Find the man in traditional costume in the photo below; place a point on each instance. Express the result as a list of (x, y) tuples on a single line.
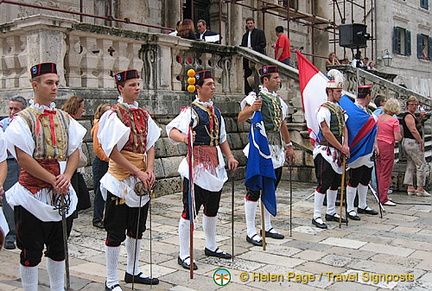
[(361, 168), (209, 175), (328, 154), (274, 111), (45, 142), (127, 134)]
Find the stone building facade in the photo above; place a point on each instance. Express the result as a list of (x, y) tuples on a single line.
[(403, 29)]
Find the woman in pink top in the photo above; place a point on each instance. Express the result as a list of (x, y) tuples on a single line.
[(388, 133)]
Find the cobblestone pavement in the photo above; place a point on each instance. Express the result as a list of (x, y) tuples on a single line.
[(394, 252)]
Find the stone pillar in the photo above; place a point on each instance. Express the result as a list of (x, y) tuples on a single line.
[(106, 63), (89, 62), (73, 62), (235, 25), (271, 21), (321, 37), (11, 61), (164, 71), (173, 12), (137, 11), (47, 46)]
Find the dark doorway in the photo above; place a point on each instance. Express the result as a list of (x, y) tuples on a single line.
[(201, 10)]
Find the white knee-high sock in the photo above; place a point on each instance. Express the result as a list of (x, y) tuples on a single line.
[(209, 226), (331, 201), (318, 203), (362, 192), (132, 256), (112, 258), (56, 271), (183, 230), (250, 213), (351, 194), (267, 220), (29, 278)]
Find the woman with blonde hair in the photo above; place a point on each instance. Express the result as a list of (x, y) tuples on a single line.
[(99, 168), (414, 149), (332, 60), (388, 133)]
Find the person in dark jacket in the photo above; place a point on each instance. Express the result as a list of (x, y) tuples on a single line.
[(253, 39)]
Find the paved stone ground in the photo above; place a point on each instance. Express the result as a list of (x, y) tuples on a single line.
[(360, 256)]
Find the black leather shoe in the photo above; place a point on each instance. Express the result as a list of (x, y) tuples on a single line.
[(318, 224), (369, 211), (186, 265), (98, 225), (140, 280), (353, 217), (116, 287), (253, 241), (334, 217), (9, 245), (274, 235), (217, 253)]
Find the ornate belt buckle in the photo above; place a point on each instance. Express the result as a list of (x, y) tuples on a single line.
[(140, 190)]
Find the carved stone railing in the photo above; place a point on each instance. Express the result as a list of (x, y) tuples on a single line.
[(382, 84)]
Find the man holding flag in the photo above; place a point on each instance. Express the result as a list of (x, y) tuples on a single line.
[(361, 138), (269, 138), (208, 169), (328, 154)]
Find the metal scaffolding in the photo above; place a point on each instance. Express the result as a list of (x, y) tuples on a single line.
[(339, 14)]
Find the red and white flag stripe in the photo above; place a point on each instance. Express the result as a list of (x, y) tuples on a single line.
[(312, 87)]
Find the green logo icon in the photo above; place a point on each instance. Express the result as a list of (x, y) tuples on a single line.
[(222, 277)]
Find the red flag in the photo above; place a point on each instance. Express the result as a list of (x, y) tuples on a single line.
[(312, 87)]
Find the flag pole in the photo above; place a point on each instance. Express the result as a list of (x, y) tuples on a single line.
[(342, 190), (232, 215), (376, 193), (291, 193), (263, 225), (191, 199)]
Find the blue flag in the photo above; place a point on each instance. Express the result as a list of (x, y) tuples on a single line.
[(260, 174), (362, 129)]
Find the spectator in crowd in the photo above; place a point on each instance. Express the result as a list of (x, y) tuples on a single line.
[(332, 60), (74, 105), (203, 32), (282, 47), (4, 228), (175, 32), (413, 146), (253, 39), (187, 29), (16, 104), (365, 61), (379, 101), (99, 168), (357, 62), (388, 133), (344, 62)]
